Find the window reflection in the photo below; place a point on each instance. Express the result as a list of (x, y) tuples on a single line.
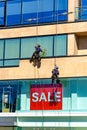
[(2, 13), (13, 17), (32, 11), (8, 96)]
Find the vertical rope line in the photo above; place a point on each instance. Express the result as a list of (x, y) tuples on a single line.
[(36, 70), (56, 49), (37, 21), (38, 75), (56, 31)]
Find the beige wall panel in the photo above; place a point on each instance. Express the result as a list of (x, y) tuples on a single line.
[(78, 27), (68, 67), (72, 45), (71, 8)]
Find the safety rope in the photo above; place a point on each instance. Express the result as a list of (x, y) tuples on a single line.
[(36, 69), (38, 75), (36, 43)]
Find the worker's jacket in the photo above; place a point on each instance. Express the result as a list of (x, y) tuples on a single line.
[(38, 49), (55, 72)]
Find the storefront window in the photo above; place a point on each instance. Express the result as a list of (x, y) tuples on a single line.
[(16, 94)]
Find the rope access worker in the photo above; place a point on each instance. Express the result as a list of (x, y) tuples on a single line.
[(36, 54), (55, 75)]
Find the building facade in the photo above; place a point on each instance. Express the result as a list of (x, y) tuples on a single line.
[(26, 94)]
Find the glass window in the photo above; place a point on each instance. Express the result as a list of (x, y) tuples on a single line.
[(27, 47), (38, 11), (1, 52), (11, 62), (83, 10), (45, 10), (35, 11), (18, 91), (1, 49), (1, 13), (8, 95), (12, 48), (46, 44), (13, 12), (61, 6), (1, 63), (32, 11), (60, 45), (29, 11)]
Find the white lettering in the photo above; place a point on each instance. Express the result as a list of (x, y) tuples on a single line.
[(56, 96), (43, 97), (35, 97), (51, 97)]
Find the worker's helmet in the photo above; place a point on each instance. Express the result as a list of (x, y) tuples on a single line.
[(38, 45), (56, 67)]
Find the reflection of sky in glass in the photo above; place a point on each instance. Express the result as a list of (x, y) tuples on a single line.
[(30, 9), (2, 13), (13, 7), (1, 9)]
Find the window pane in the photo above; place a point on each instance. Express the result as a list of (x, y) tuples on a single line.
[(8, 95), (13, 12), (1, 13), (45, 10), (11, 62), (1, 63), (1, 49), (83, 10), (12, 48), (37, 11), (61, 6), (29, 10), (27, 47), (82, 93), (46, 44), (60, 45)]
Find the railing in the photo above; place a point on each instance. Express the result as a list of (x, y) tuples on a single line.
[(81, 13)]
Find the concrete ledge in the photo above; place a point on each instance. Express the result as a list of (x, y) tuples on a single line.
[(64, 28), (68, 67)]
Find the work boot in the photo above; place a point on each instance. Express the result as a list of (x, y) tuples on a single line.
[(31, 60)]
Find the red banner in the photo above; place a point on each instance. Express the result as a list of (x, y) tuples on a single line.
[(46, 97)]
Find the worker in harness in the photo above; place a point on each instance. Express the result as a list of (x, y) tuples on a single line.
[(36, 54), (55, 75)]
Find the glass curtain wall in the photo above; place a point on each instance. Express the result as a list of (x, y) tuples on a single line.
[(13, 12), (15, 95), (32, 11), (24, 48), (9, 92), (9, 52), (83, 8), (81, 11), (2, 15)]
